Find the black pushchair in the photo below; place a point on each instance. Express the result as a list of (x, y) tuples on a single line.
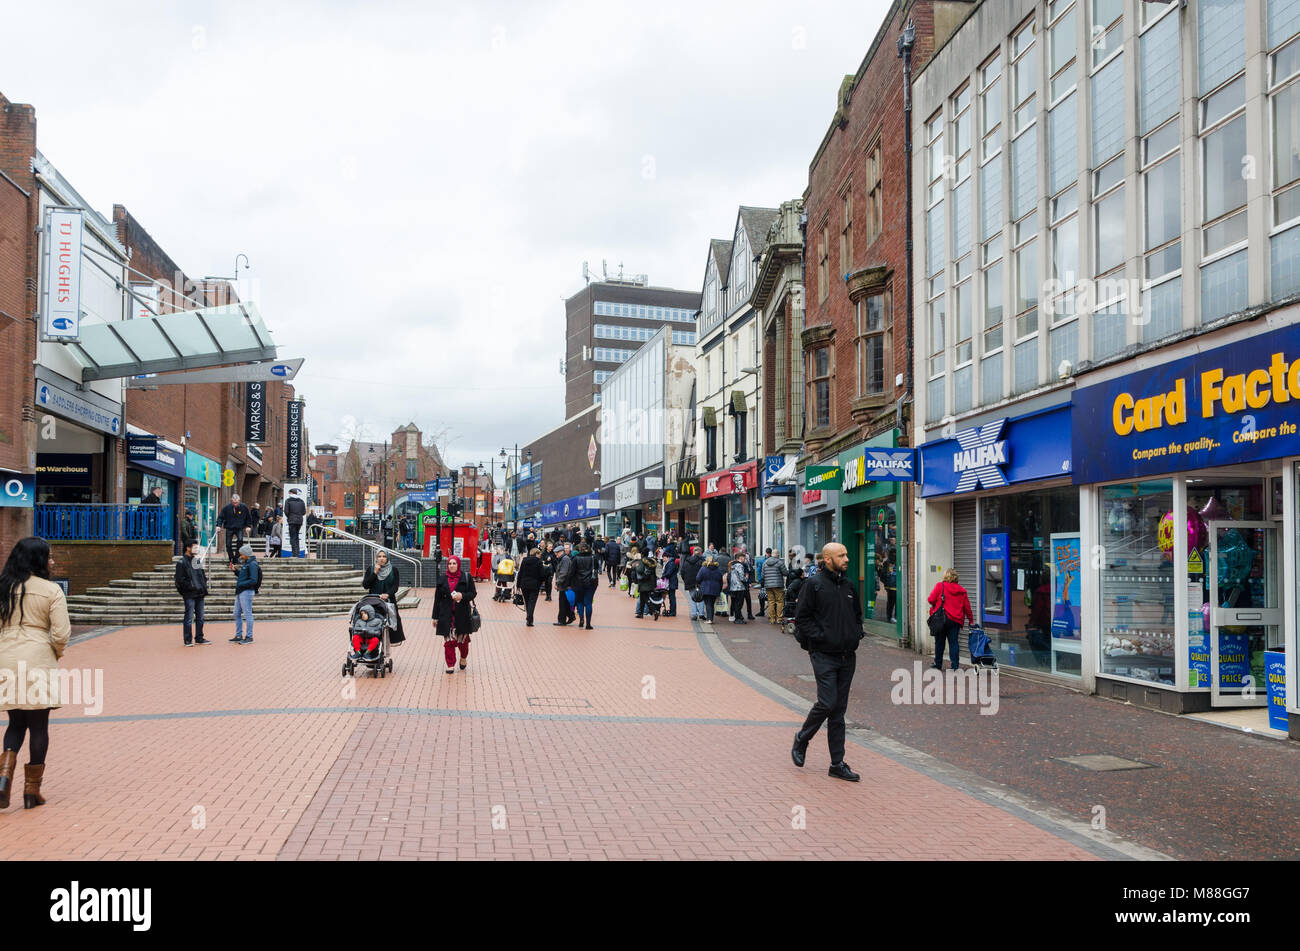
[(382, 661)]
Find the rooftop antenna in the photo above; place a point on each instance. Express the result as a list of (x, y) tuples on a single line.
[(604, 270), (586, 273), (620, 270)]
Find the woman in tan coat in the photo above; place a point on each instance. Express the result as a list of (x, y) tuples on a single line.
[(34, 632)]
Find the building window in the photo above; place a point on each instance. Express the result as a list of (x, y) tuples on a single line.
[(823, 266), (742, 441), (1025, 77), (1223, 152), (938, 317), (872, 345), (1284, 114), (412, 468), (1107, 29), (1025, 259), (1162, 201), (710, 448), (1065, 252), (993, 295), (846, 230), (820, 386), (1061, 50), (991, 108), (875, 196)]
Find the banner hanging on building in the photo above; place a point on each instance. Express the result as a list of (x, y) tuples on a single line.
[(255, 412), (293, 469), (61, 315)]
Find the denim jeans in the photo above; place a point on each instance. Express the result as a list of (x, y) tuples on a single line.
[(951, 632), (697, 607), (193, 615), (244, 612), (584, 596)]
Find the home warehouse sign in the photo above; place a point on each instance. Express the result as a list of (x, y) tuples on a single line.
[(1232, 404)]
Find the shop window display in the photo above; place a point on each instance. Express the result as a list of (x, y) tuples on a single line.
[(1031, 621), (1137, 581)]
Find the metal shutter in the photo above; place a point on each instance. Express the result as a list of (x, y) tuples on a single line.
[(966, 549)]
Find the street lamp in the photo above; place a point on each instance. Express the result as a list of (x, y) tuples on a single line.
[(514, 495), (384, 468)]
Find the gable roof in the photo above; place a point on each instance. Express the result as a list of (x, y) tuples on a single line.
[(721, 251), (757, 222)]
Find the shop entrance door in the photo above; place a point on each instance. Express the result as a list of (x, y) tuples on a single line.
[(1244, 607)]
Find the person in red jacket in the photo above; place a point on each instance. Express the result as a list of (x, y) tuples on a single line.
[(956, 605)]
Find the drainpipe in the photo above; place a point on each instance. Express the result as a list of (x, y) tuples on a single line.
[(906, 42)]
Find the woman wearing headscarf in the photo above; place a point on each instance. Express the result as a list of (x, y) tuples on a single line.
[(34, 632), (384, 581), (452, 612)]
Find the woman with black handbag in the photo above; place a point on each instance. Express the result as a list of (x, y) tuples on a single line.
[(949, 606), (528, 582), (454, 612)]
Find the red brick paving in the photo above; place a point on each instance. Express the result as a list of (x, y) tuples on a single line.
[(590, 768)]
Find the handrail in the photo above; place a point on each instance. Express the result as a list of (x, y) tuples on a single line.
[(345, 536)]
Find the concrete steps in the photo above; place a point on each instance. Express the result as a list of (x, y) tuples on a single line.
[(291, 588)]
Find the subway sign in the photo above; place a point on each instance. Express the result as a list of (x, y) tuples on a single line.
[(1236, 403)]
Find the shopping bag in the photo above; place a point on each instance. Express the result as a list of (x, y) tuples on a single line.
[(622, 582), (571, 595)]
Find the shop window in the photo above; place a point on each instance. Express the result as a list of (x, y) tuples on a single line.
[(875, 195), (873, 319), (1028, 580), (820, 385), (1137, 582)]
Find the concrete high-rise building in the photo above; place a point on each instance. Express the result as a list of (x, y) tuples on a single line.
[(607, 321)]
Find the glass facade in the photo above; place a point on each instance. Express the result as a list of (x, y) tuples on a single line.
[(683, 315)]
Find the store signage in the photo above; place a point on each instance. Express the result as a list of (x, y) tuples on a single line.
[(1235, 403), (576, 507), (1003, 452), (771, 466), (284, 370), (731, 482), (625, 494), (654, 483), (981, 458), (79, 410), (255, 412), (813, 497), (144, 301), (1275, 676), (202, 469), (591, 453), (413, 486), (141, 448), (17, 490), (293, 468), (815, 476), (878, 465), (63, 468), (1234, 662), (61, 316)]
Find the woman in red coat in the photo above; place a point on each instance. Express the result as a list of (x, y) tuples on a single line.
[(956, 608)]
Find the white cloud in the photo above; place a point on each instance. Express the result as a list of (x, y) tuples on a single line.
[(417, 185)]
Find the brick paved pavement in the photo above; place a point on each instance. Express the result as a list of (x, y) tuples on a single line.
[(551, 745)]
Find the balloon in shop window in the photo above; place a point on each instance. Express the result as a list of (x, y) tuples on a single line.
[(1196, 533), (1213, 509), (1120, 519)]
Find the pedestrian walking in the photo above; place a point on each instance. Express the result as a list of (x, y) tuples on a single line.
[(586, 575), (453, 611), (949, 606), (829, 625), (529, 580), (189, 531), (295, 510), (383, 579), (690, 570), (750, 579), (547, 556), (708, 584), (738, 587), (563, 585), (669, 573), (275, 538), (248, 581), (644, 574), (192, 585), (232, 521), (34, 632), (774, 578)]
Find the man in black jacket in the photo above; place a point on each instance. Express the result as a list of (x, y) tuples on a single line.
[(613, 556), (192, 586), (529, 581), (829, 624), (564, 581), (691, 565), (233, 520), (295, 510)]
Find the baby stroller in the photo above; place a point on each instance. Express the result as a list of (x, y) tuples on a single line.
[(380, 660), (655, 602), (981, 654)]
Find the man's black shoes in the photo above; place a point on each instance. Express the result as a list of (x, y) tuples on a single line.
[(798, 751), (842, 771)]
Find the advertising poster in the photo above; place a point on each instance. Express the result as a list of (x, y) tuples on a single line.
[(1066, 599), (1234, 662)]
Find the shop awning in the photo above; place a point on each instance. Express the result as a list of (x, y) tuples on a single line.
[(188, 340)]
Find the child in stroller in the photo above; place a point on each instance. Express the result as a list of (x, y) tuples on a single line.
[(505, 579), (367, 631), (655, 602)]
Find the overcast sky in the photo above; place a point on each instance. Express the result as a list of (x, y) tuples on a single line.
[(417, 185)]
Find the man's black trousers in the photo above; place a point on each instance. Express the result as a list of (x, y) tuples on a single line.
[(834, 673)]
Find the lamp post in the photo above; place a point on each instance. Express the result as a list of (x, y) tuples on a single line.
[(514, 495), (383, 483)]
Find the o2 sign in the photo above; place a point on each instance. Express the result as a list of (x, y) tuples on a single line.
[(19, 490)]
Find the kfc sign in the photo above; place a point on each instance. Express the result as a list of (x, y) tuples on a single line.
[(730, 482)]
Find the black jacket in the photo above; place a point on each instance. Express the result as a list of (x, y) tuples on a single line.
[(189, 532), (548, 560), (389, 587), (829, 616), (585, 571), (453, 618), (671, 569), (234, 518), (530, 574), (191, 580), (295, 510), (691, 565), (612, 552)]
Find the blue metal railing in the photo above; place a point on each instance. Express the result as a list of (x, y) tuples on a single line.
[(104, 522)]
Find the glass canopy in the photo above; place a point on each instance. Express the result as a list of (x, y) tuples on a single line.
[(188, 340)]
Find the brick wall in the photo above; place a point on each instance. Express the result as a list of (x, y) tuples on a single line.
[(563, 454), (17, 304), (94, 564), (874, 113)]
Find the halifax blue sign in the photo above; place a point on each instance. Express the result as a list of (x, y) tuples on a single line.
[(1236, 403)]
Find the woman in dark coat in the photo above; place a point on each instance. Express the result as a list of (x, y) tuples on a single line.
[(670, 572), (383, 580), (547, 555), (709, 581), (452, 614), (529, 582)]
